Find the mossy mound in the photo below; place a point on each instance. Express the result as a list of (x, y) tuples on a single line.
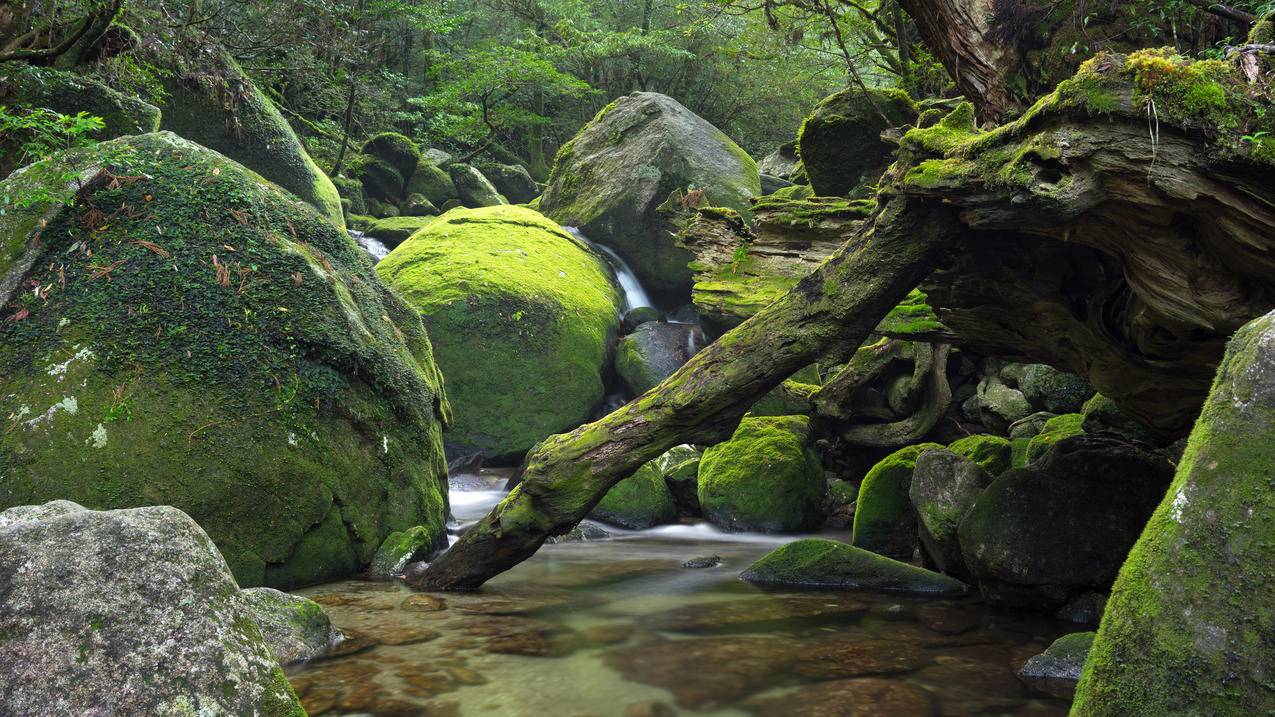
[(820, 563), (884, 520), (212, 101), (1187, 629), (638, 502), (382, 181), (521, 317), (840, 143), (992, 453), (1058, 428), (765, 478), (611, 179), (69, 94), (391, 147), (432, 183), (392, 231), (217, 346)]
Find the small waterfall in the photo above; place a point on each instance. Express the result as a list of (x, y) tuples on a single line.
[(634, 294), (373, 246)]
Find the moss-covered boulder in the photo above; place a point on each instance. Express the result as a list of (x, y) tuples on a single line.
[(351, 190), (23, 85), (1049, 389), (820, 563), (382, 182), (128, 612), (680, 467), (296, 629), (1102, 415), (1187, 628), (840, 143), (433, 183), (512, 181), (474, 189), (1058, 428), (224, 350), (1040, 535), (765, 478), (944, 487), (611, 179), (993, 454), (521, 316), (406, 546), (396, 150), (884, 520), (416, 205), (392, 231), (1056, 671), (638, 502), (211, 101), (653, 351)]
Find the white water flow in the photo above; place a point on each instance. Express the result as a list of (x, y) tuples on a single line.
[(634, 295), (372, 246)]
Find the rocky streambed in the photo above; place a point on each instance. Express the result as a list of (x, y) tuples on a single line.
[(619, 626)]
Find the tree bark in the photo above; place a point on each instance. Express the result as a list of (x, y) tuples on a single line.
[(831, 311)]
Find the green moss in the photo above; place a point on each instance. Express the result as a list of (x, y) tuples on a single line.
[(381, 180), (796, 191), (405, 546), (765, 478), (396, 230), (395, 149), (912, 318), (433, 183), (884, 521), (521, 316), (641, 501), (351, 190), (1056, 429), (298, 423), (840, 143), (992, 453), (816, 562)]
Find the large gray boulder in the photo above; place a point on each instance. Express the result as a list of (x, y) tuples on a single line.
[(513, 181), (1040, 535), (126, 612), (612, 178), (943, 490)]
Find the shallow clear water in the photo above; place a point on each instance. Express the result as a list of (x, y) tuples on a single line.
[(619, 627)]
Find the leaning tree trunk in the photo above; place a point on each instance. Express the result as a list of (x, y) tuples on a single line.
[(832, 310)]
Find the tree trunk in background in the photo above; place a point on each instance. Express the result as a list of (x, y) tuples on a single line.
[(963, 35), (831, 311)]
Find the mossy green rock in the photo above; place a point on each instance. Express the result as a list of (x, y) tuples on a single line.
[(416, 205), (351, 190), (1040, 535), (1058, 428), (884, 520), (128, 612), (474, 189), (944, 487), (1049, 389), (1056, 671), (612, 177), (512, 181), (279, 393), (69, 94), (1187, 628), (680, 467), (396, 150), (654, 351), (638, 502), (993, 454), (765, 478), (840, 143), (432, 183), (253, 134), (392, 231), (820, 563), (295, 628), (521, 316), (1102, 415), (382, 181), (406, 546)]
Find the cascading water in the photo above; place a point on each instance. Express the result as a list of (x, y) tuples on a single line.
[(372, 246), (634, 295)]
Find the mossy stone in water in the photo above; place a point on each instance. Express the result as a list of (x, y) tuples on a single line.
[(1187, 629), (278, 393), (840, 143), (638, 502), (884, 520), (521, 316), (821, 563), (1056, 671), (406, 546), (765, 478)]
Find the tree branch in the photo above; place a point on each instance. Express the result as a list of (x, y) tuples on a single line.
[(1225, 11)]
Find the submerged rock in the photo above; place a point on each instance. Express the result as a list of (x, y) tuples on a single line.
[(638, 502), (129, 612), (612, 177), (884, 519), (1194, 597), (868, 697), (1056, 671), (820, 563), (765, 478), (521, 316), (295, 628), (710, 561), (1038, 535), (654, 351), (227, 351)]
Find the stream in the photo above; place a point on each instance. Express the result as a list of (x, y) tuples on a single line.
[(617, 627)]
